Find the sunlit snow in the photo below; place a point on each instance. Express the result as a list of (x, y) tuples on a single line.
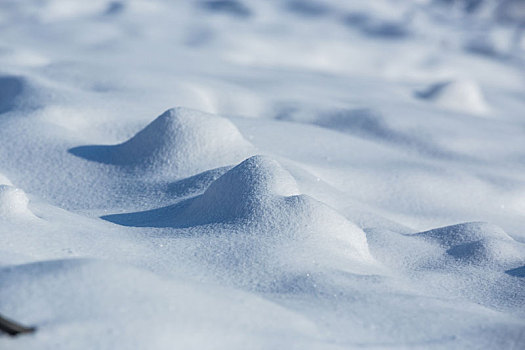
[(248, 174)]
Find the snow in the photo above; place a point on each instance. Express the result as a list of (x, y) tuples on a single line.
[(325, 174), (13, 202), (462, 96), (68, 291), (179, 142), (4, 180)]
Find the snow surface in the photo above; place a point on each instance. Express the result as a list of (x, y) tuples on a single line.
[(284, 174)]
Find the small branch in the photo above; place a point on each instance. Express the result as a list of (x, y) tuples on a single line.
[(12, 328)]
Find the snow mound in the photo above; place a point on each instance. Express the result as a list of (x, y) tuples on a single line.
[(257, 207), (13, 202), (468, 244), (180, 142), (184, 142), (245, 190), (477, 242), (262, 198), (269, 233), (472, 260), (458, 95)]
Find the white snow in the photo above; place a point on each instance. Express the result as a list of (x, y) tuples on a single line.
[(13, 202), (462, 96), (4, 180), (325, 174), (180, 142)]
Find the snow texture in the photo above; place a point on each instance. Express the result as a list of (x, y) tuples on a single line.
[(325, 174)]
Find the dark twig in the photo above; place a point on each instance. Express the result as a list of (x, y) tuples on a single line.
[(12, 328)]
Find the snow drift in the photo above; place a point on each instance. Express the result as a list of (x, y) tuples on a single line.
[(477, 243)]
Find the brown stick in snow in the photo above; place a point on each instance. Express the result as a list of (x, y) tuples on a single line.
[(12, 328)]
